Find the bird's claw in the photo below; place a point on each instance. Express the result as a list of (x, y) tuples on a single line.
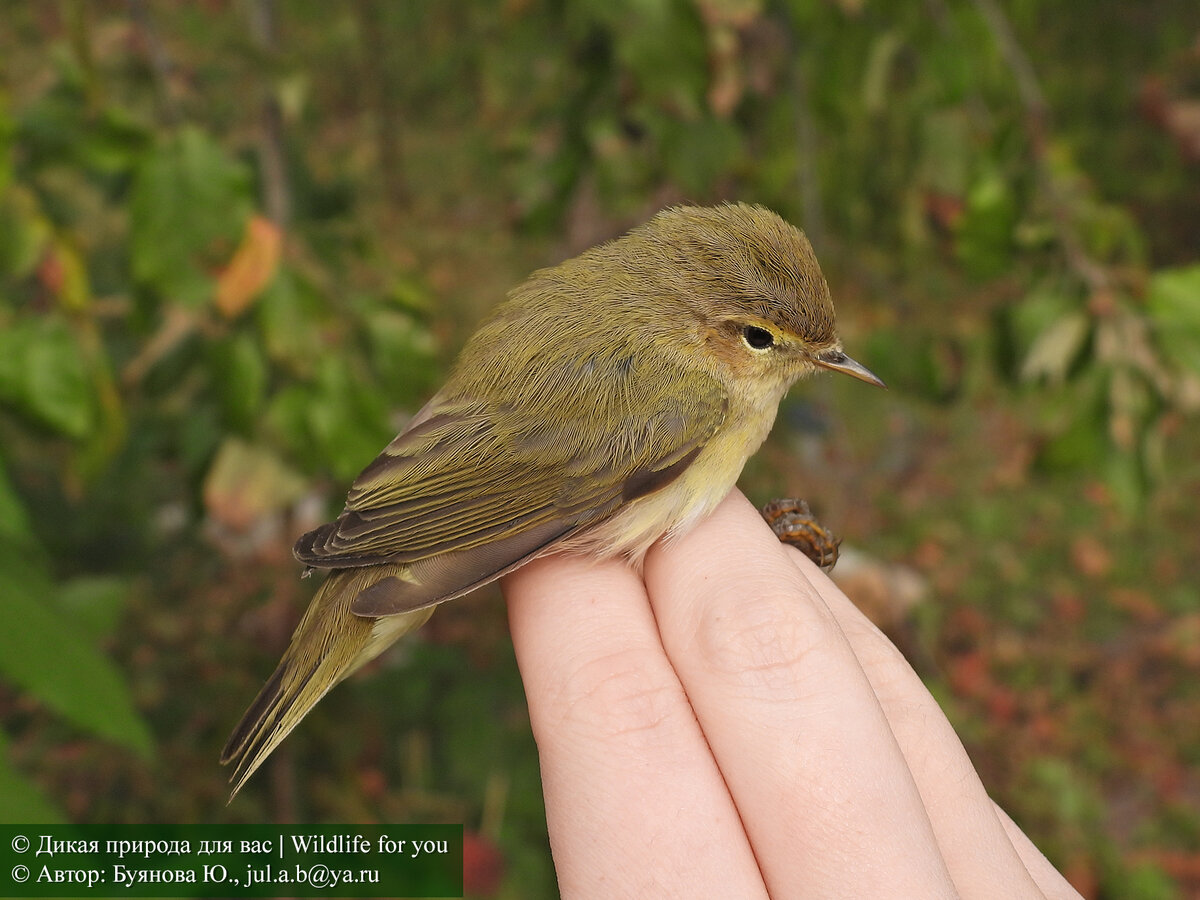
[(794, 524)]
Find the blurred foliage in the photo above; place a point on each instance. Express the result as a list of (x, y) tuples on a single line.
[(238, 240), (158, 347)]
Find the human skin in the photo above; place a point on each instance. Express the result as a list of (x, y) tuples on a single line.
[(728, 724)]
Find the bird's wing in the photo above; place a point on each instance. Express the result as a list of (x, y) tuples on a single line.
[(471, 491)]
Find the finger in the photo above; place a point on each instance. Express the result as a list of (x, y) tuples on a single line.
[(635, 804), (1049, 880), (797, 732), (977, 850)]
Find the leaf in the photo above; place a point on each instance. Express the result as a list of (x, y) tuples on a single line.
[(877, 75), (1083, 442), (346, 420), (241, 372), (1063, 791), (1125, 476), (63, 272), (402, 352), (985, 233), (337, 423), (1019, 325), (289, 316), (43, 652), (252, 267), (1174, 304), (189, 206), (410, 294), (63, 128), (248, 483), (639, 28), (24, 232), (14, 521), (1056, 349), (42, 376)]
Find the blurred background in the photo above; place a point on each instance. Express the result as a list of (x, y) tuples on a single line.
[(240, 242)]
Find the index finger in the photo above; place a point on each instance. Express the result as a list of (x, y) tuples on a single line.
[(795, 727)]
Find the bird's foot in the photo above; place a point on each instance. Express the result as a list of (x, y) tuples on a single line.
[(794, 524)]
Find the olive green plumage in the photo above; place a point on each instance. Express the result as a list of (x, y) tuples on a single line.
[(608, 401)]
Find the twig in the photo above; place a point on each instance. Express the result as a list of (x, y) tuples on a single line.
[(379, 92), (808, 181), (1036, 123), (157, 58), (277, 198)]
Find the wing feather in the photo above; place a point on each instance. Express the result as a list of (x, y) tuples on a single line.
[(468, 492)]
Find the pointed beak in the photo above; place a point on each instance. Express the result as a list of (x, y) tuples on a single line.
[(840, 362)]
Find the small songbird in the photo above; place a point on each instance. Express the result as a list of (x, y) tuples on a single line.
[(610, 401)]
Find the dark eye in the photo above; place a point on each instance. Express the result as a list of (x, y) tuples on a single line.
[(757, 338)]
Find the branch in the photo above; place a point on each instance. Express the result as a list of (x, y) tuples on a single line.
[(1036, 123), (277, 196)]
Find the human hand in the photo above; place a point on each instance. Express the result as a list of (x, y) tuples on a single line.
[(730, 725)]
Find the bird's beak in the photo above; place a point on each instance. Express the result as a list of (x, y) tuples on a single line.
[(840, 362)]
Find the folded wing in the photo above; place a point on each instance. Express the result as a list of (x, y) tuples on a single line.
[(469, 492)]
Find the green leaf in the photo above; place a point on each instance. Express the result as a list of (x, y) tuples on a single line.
[(885, 49), (188, 211), (1125, 476), (1056, 349), (639, 28), (338, 423), (240, 370), (346, 420), (289, 316), (1022, 325), (985, 234), (1083, 442), (42, 652), (402, 352), (42, 376), (24, 232), (411, 294), (14, 521), (116, 140), (286, 422), (1174, 304)]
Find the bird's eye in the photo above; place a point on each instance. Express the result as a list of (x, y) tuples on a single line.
[(757, 338)]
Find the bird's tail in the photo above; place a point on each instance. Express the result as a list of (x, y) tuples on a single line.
[(329, 644)]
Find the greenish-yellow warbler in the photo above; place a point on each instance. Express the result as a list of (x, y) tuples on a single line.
[(609, 401)]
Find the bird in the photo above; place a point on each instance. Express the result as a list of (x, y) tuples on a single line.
[(608, 402)]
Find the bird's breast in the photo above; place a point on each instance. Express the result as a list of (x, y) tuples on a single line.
[(677, 507)]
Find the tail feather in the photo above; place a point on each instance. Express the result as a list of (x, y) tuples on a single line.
[(264, 707), (329, 644)]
